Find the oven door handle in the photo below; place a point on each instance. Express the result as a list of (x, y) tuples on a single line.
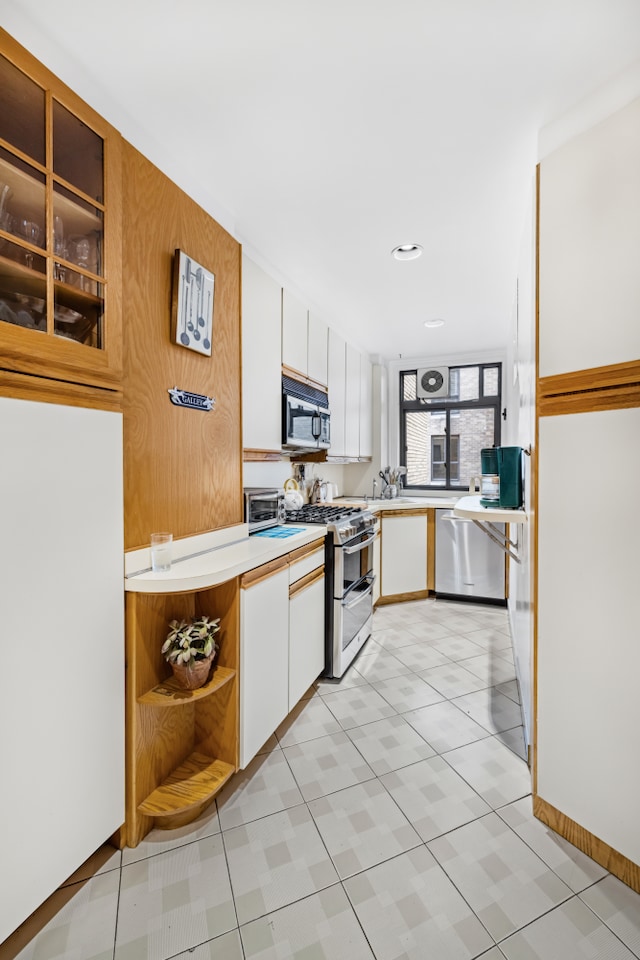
[(370, 580), (360, 546)]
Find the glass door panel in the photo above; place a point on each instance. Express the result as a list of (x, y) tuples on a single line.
[(23, 287), (22, 111), (78, 238), (22, 200), (78, 153), (78, 315)]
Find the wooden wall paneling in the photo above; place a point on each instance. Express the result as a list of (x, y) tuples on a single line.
[(183, 468)]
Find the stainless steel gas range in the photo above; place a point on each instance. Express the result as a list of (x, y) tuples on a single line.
[(349, 579)]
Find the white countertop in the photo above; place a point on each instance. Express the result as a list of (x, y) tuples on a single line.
[(471, 509), (399, 503), (210, 559)]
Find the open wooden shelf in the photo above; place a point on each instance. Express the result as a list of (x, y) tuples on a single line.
[(170, 694), (190, 785)]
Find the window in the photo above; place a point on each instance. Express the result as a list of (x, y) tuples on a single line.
[(441, 438), (438, 458)]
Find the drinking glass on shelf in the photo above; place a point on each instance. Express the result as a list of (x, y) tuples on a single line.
[(5, 217), (59, 248), (83, 252), (30, 230)]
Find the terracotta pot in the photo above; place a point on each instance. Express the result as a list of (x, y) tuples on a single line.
[(192, 675)]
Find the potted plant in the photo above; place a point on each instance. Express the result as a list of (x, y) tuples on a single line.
[(190, 649)]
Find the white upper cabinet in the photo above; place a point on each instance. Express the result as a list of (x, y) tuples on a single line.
[(352, 403), (317, 350), (589, 243), (261, 359), (350, 399), (294, 333), (366, 411), (337, 360)]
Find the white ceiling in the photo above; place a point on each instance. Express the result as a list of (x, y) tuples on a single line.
[(321, 134)]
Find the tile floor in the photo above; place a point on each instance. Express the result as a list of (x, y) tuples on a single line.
[(389, 818)]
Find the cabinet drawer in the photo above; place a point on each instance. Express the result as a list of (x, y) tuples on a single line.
[(301, 567)]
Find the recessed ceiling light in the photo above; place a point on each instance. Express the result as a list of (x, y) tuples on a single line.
[(407, 251), (434, 323)]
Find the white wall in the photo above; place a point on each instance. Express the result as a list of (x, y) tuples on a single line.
[(274, 474), (519, 386)]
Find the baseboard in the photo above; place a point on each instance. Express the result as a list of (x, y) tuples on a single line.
[(613, 861)]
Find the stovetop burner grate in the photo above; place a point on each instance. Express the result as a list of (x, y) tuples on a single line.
[(313, 513)]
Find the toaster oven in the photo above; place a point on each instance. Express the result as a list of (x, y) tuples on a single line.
[(263, 507)]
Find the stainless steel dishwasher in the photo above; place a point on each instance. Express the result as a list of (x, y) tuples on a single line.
[(468, 563)]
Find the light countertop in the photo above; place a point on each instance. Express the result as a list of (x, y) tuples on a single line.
[(210, 559), (399, 503), (471, 509)]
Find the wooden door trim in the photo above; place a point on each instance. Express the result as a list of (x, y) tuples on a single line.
[(609, 858), (301, 552), (310, 578), (263, 572), (590, 401), (23, 386)]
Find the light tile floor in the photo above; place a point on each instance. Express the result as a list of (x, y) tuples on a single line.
[(388, 819)]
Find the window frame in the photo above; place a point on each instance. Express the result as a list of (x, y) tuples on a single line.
[(444, 406)]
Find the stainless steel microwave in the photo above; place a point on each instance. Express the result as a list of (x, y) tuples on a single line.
[(306, 419), (263, 507)]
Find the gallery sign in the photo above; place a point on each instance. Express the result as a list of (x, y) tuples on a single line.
[(196, 401)]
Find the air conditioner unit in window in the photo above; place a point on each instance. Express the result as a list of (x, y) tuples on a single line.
[(432, 382)]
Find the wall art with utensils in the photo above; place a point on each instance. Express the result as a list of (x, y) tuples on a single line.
[(192, 304)]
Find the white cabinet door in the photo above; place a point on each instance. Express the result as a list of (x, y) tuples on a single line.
[(317, 358), (366, 409), (588, 654), (337, 384), (589, 241), (261, 359), (306, 638), (62, 614), (404, 554), (352, 402), (294, 333), (264, 660)]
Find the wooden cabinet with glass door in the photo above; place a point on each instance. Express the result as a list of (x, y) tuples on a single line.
[(60, 229)]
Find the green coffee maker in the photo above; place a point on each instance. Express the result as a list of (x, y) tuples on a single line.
[(501, 480)]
